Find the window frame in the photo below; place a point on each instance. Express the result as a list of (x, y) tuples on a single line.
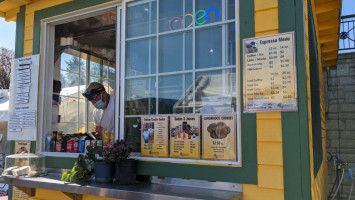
[(247, 173), (47, 28), (47, 59), (224, 26)]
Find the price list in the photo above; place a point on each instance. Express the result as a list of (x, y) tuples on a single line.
[(269, 73), (154, 136)]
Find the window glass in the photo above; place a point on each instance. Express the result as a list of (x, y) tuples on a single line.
[(175, 93), (173, 50), (90, 112), (170, 15), (133, 132), (231, 50), (95, 67), (194, 53), (208, 11), (209, 47), (170, 53), (140, 96), (69, 62), (68, 128), (141, 19), (231, 9), (140, 57), (188, 50), (216, 92), (68, 109), (70, 82)]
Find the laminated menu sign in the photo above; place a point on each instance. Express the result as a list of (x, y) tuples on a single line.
[(154, 136), (23, 96), (185, 137), (219, 137), (269, 73)]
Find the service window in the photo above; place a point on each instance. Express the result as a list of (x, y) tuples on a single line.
[(180, 81), (84, 51)]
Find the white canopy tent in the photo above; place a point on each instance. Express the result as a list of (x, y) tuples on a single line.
[(4, 118), (4, 107)]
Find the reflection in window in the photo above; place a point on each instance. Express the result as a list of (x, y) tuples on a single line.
[(140, 57), (141, 19), (209, 47), (173, 93), (186, 67), (208, 11), (140, 96), (215, 92)]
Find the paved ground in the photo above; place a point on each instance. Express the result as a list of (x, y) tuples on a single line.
[(3, 198)]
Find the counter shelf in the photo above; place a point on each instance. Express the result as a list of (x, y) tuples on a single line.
[(140, 190)]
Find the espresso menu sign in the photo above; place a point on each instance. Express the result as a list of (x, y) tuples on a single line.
[(154, 136), (269, 73), (219, 137), (185, 137)]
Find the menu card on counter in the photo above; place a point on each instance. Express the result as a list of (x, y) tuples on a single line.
[(219, 137), (270, 73), (154, 136), (185, 137)]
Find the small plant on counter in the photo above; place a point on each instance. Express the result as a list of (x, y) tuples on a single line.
[(82, 170), (120, 151), (83, 167)]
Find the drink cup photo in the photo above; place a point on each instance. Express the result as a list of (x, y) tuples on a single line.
[(146, 136)]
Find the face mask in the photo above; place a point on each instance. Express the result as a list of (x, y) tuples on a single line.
[(100, 104)]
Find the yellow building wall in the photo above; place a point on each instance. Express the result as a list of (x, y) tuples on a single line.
[(29, 19), (269, 130), (319, 184)]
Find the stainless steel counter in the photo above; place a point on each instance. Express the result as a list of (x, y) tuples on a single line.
[(144, 191)]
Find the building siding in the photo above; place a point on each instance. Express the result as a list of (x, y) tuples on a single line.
[(269, 129), (319, 187)]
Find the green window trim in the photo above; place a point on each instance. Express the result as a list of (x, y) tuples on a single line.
[(295, 142), (247, 173)]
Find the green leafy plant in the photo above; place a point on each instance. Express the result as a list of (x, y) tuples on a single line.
[(83, 167)]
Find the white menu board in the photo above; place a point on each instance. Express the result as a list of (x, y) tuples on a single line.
[(270, 73), (23, 99)]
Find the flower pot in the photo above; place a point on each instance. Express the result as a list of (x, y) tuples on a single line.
[(103, 171), (125, 172)]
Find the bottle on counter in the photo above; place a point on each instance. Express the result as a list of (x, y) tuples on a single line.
[(53, 141), (47, 146), (70, 146), (64, 143), (58, 146), (75, 146)]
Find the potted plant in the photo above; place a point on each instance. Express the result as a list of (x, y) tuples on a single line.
[(103, 165), (81, 172), (125, 168), (86, 165)]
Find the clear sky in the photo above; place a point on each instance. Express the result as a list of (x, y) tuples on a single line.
[(7, 34), (8, 29)]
